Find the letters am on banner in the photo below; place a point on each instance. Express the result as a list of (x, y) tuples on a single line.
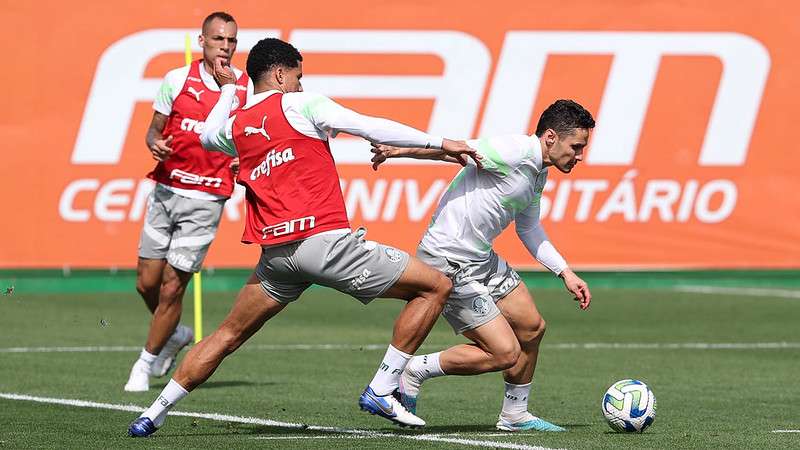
[(687, 167)]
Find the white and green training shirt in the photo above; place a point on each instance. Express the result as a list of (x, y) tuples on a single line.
[(480, 203)]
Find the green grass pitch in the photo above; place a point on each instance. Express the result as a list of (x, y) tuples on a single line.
[(707, 397)]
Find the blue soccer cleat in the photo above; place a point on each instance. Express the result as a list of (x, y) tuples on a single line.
[(530, 422), (141, 427), (388, 407), (408, 392)]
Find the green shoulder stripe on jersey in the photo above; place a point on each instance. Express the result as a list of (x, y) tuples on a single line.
[(458, 179), (315, 105), (165, 93), (227, 146), (483, 245), (514, 204), (493, 161)]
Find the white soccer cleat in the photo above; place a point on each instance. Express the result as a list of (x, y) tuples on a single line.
[(139, 379), (526, 423), (165, 361), (388, 407)]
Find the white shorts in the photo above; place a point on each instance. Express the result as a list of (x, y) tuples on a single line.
[(346, 262), (477, 287), (179, 229)]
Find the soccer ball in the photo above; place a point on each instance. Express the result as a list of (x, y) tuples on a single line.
[(629, 405)]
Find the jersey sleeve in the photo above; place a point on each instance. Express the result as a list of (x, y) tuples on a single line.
[(169, 90), (332, 118), (533, 236), (502, 154), (218, 132)]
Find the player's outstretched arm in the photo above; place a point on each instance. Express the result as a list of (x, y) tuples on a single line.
[(332, 118), (383, 152), (217, 134)]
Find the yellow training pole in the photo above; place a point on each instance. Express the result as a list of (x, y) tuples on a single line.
[(198, 307), (197, 277), (188, 49)]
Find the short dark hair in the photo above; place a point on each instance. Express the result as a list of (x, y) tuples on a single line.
[(563, 117), (270, 53), (217, 15)]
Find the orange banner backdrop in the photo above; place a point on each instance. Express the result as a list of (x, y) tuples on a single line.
[(691, 164)]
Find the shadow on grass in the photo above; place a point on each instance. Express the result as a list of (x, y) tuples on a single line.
[(624, 435), (224, 384), (277, 431)]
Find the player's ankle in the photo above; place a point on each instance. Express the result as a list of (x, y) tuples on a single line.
[(424, 367)]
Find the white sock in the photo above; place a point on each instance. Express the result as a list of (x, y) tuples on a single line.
[(387, 378), (425, 366), (147, 357), (515, 401), (172, 393)]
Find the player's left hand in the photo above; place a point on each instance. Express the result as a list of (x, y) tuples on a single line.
[(381, 153), (223, 72), (577, 287), (234, 165)]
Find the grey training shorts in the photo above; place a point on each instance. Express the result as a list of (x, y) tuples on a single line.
[(179, 229), (477, 286), (343, 261)]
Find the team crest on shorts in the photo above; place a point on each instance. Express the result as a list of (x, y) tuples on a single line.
[(480, 305), (394, 254)]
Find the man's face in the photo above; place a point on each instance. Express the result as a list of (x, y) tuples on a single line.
[(219, 41), (567, 150), (289, 78)]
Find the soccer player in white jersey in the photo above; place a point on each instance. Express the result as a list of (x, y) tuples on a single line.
[(489, 304), (184, 209), (296, 212)]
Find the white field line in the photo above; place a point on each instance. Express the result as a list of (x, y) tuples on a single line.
[(275, 423), (786, 431), (678, 345), (750, 292), (332, 436), (121, 348), (562, 346)]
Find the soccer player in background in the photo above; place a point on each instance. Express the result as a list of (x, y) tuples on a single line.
[(296, 212), (489, 304), (185, 207)]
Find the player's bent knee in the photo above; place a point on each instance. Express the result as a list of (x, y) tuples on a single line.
[(443, 287), (144, 289), (532, 334), (540, 328), (507, 358)]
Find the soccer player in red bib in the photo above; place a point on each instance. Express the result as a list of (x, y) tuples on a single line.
[(296, 213), (185, 207)]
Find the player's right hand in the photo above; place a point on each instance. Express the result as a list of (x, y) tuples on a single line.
[(223, 72), (577, 287), (460, 151), (160, 149)]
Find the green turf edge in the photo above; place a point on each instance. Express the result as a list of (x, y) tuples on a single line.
[(226, 280)]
